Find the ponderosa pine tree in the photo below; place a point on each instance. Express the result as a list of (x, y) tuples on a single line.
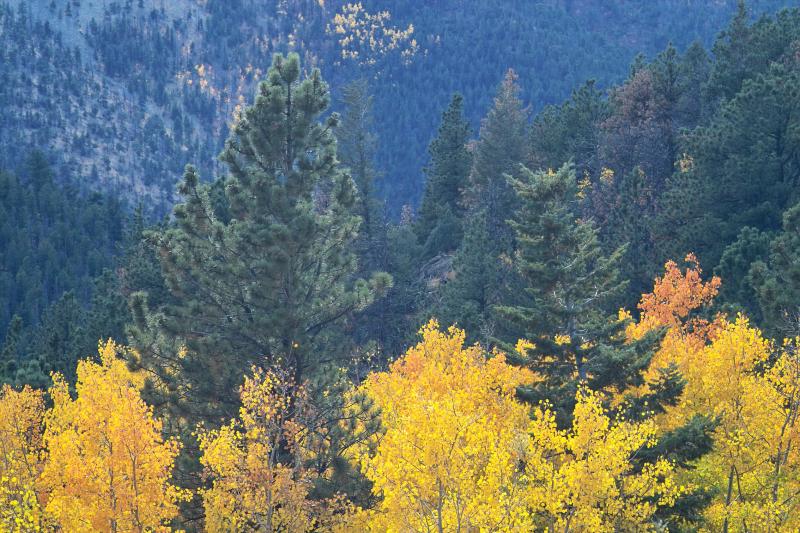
[(741, 169), (439, 222), (776, 280), (570, 282), (272, 284)]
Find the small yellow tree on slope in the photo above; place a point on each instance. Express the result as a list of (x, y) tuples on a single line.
[(256, 465)]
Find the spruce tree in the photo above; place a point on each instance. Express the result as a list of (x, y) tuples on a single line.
[(356, 147), (439, 223), (482, 276), (501, 148), (467, 300), (357, 143), (272, 284), (569, 283)]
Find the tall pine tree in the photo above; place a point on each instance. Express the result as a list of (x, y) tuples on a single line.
[(272, 281)]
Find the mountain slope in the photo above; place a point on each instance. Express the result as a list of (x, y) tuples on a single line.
[(122, 94)]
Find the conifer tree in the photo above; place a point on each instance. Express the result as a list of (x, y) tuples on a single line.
[(482, 277), (271, 285), (501, 148), (60, 339), (356, 149), (569, 282), (776, 280), (439, 224), (9, 354), (468, 299)]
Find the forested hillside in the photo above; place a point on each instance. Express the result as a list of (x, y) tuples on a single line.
[(124, 93), (452, 267)]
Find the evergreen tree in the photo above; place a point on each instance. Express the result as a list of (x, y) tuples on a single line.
[(272, 285), (776, 280), (9, 354), (481, 281), (407, 294), (737, 293), (500, 149), (569, 132), (569, 282), (60, 340), (467, 300), (740, 170), (438, 225), (629, 223), (356, 149)]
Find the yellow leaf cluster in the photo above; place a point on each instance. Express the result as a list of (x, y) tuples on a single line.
[(21, 418), (460, 452), (582, 479), (107, 466), (251, 488), (363, 36)]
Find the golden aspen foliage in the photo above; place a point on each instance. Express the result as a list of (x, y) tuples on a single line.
[(258, 482), (735, 376), (583, 479), (108, 467), (677, 293), (364, 36), (454, 436), (459, 452), (21, 419)]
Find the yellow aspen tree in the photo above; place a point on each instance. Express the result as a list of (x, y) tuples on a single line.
[(21, 420), (735, 376), (754, 468), (585, 479), (108, 467), (255, 464), (459, 452), (454, 435)]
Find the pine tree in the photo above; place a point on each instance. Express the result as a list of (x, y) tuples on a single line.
[(776, 281), (272, 285), (569, 282), (438, 225)]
